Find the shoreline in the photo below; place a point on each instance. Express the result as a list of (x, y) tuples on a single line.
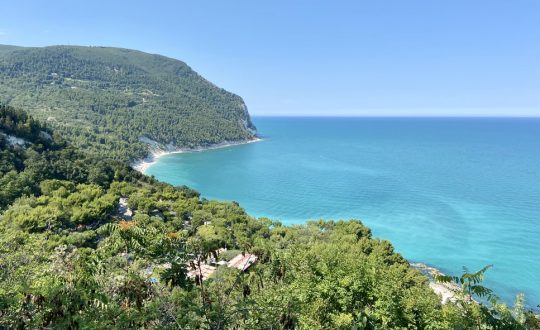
[(141, 165), (446, 291)]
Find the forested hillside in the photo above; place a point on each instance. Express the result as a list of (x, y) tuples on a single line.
[(105, 99), (87, 243)]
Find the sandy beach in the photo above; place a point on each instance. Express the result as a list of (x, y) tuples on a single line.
[(142, 165)]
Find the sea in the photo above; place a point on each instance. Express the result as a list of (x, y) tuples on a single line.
[(447, 192)]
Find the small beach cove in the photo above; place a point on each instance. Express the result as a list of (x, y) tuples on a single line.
[(157, 152)]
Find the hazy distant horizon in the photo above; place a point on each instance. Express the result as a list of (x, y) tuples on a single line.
[(390, 115), (306, 58)]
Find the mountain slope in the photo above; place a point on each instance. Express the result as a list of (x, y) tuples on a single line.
[(105, 99)]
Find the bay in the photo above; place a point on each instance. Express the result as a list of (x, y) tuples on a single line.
[(449, 192)]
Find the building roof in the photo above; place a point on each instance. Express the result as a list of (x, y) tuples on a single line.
[(243, 261)]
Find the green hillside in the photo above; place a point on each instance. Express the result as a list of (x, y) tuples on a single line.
[(105, 99), (73, 257)]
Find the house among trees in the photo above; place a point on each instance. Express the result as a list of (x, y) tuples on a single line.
[(242, 261)]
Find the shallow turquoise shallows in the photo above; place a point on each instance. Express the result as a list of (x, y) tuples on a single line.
[(448, 192)]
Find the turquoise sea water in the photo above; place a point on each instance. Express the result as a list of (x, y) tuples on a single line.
[(449, 192)]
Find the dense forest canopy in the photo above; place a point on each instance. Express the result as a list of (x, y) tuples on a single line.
[(105, 99), (92, 244)]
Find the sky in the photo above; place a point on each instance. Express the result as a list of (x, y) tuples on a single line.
[(333, 58)]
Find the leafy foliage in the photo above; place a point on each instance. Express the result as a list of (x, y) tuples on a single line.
[(470, 282), (46, 156)]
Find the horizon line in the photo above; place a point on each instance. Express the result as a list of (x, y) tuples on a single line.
[(393, 116)]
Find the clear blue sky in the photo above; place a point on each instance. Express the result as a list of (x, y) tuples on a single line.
[(401, 57)]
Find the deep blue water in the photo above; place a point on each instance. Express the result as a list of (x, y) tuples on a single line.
[(449, 192)]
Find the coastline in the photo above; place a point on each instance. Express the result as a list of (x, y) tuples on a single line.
[(141, 165), (446, 291)]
